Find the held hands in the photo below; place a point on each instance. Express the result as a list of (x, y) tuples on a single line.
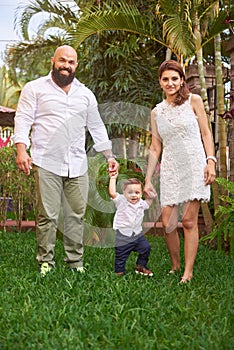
[(149, 191), (113, 167), (113, 175)]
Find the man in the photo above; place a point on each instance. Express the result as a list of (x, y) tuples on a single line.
[(57, 109)]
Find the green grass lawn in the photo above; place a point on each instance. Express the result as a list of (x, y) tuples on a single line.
[(101, 311)]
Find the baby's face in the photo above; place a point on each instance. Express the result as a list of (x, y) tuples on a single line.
[(133, 193)]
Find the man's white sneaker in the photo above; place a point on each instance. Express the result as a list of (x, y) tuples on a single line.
[(44, 269), (79, 269)]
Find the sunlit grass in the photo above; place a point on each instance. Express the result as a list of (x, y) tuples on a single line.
[(99, 310)]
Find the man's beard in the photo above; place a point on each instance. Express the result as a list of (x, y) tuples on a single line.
[(61, 79)]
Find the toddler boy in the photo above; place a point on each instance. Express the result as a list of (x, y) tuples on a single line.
[(128, 225)]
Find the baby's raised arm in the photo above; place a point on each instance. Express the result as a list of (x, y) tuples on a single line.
[(112, 184)]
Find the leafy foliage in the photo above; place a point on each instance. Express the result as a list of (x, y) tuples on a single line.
[(171, 24), (116, 17), (116, 65), (30, 60), (223, 230), (120, 67), (9, 94), (16, 191)]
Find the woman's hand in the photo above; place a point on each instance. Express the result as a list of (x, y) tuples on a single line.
[(149, 190), (209, 173)]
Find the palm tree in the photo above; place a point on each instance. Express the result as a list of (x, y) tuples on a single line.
[(9, 93), (220, 107), (30, 59), (111, 64), (182, 21), (176, 17)]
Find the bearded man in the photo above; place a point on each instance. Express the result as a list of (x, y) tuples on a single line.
[(52, 116)]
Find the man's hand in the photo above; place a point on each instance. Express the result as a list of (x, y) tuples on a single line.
[(23, 160)]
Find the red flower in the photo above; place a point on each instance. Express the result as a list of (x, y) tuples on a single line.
[(4, 143)]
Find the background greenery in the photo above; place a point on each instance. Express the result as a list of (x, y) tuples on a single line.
[(17, 195), (17, 201), (99, 310)]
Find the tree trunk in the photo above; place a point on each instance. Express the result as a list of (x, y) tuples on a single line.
[(220, 112), (133, 145), (230, 48), (168, 54), (199, 53)]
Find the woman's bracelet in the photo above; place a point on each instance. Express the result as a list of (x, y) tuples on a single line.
[(212, 158)]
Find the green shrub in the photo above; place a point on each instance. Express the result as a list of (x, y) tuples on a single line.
[(223, 230), (16, 188)]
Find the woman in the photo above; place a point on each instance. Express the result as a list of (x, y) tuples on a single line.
[(180, 131)]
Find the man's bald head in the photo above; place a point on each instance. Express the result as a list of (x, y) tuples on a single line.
[(65, 50)]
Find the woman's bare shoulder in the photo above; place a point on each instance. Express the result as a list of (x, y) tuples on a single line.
[(154, 113), (195, 98)]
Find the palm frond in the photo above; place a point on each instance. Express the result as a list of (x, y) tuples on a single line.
[(27, 52), (177, 26), (168, 7), (124, 17), (217, 26), (176, 33), (207, 10), (62, 15)]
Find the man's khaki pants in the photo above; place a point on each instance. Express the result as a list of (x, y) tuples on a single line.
[(56, 195)]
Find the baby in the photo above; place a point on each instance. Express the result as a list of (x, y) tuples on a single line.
[(128, 225)]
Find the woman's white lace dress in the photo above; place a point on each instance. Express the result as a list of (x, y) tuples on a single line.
[(183, 155)]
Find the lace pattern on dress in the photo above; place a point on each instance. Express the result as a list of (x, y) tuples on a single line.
[(183, 156)]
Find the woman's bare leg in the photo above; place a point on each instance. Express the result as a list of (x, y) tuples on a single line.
[(170, 221), (191, 237)]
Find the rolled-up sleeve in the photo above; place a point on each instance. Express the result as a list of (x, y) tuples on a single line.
[(24, 117)]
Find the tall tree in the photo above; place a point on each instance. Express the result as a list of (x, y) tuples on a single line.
[(180, 27), (9, 93), (220, 108), (111, 63), (116, 65), (182, 33), (176, 17)]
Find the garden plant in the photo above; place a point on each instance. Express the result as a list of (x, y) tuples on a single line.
[(16, 190)]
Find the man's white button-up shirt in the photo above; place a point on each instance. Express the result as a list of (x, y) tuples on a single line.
[(58, 122)]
